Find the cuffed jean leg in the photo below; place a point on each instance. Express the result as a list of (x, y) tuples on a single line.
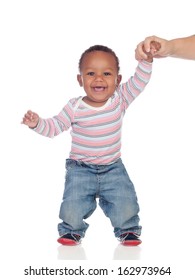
[(79, 199), (118, 200)]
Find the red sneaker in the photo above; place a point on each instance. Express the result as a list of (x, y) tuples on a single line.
[(69, 239), (129, 239)]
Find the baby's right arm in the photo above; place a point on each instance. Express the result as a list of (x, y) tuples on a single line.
[(51, 127)]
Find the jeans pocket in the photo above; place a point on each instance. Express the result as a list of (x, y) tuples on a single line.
[(70, 164)]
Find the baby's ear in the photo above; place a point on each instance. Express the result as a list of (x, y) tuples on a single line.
[(119, 78), (79, 79)]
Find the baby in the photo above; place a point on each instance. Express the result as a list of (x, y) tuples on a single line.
[(94, 168)]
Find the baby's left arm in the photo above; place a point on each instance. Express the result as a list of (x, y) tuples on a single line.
[(135, 84)]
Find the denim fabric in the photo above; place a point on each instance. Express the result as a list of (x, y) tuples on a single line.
[(85, 183)]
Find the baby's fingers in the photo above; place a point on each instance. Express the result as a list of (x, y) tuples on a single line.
[(27, 118), (154, 47), (29, 115), (139, 52), (30, 119)]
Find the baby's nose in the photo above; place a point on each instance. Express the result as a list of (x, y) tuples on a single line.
[(99, 77)]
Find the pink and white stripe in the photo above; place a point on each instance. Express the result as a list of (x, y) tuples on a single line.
[(96, 133)]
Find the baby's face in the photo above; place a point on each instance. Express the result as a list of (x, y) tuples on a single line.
[(99, 77)]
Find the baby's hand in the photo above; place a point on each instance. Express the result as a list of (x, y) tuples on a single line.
[(154, 47), (30, 119)]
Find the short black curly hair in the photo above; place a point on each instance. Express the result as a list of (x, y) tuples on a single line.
[(99, 48)]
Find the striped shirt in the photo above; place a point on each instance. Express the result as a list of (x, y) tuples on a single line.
[(96, 131)]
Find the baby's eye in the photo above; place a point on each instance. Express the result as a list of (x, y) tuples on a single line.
[(107, 73), (90, 73)]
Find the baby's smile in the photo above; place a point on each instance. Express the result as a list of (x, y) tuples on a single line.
[(98, 89)]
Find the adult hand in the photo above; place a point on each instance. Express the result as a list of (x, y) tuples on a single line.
[(154, 45)]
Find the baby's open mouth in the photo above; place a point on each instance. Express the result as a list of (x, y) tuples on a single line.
[(99, 89)]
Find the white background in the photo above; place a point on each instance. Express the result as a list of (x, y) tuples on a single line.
[(41, 43)]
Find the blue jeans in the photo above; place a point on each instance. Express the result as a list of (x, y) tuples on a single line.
[(111, 184)]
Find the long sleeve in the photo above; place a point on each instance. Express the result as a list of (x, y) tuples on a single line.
[(135, 84), (51, 127)]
